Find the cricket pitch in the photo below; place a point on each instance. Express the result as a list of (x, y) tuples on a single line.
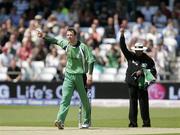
[(8, 130)]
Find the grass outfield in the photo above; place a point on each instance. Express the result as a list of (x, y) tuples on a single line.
[(101, 116)]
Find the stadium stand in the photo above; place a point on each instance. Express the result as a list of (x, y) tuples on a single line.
[(20, 17)]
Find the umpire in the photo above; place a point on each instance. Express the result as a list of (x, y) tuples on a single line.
[(133, 74)]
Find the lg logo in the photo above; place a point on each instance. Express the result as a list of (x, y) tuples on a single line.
[(4, 91), (156, 91)]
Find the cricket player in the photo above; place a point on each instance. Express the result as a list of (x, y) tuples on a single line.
[(78, 73)]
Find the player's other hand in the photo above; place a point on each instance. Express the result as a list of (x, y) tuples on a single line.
[(89, 80)]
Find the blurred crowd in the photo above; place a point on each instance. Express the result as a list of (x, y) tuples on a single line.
[(24, 56)]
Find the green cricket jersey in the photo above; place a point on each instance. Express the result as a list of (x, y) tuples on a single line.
[(79, 56)]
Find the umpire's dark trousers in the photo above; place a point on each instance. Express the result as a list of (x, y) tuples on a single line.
[(136, 94)]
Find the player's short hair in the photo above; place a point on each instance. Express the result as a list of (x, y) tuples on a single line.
[(72, 30)]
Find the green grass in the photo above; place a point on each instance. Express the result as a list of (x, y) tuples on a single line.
[(101, 116)]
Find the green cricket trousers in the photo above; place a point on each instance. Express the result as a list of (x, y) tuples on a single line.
[(72, 82)]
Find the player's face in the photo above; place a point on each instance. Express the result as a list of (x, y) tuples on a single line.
[(70, 36)]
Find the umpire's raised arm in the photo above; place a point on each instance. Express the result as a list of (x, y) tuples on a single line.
[(123, 46)]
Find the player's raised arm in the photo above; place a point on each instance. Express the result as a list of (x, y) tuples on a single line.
[(60, 42), (46, 38)]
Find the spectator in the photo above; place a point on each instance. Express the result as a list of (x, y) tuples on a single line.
[(5, 57), (170, 33), (162, 60), (28, 71), (110, 29), (10, 28), (127, 33), (50, 24), (100, 61), (3, 15), (39, 52), (165, 10), (25, 51), (99, 28), (29, 32), (139, 35), (15, 43), (147, 11), (62, 13), (94, 38), (175, 19), (11, 50), (14, 72), (4, 35), (121, 9), (113, 57), (21, 6), (140, 25), (103, 15), (80, 34), (62, 33), (159, 20), (151, 50), (1, 38), (86, 18), (40, 22), (72, 16), (52, 58), (61, 68), (21, 29), (176, 12), (154, 35), (14, 17)]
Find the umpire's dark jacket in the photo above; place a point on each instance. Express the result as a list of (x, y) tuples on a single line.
[(135, 62)]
